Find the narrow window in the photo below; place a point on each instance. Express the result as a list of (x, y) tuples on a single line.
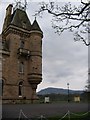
[(5, 44), (24, 24), (21, 44), (21, 67), (1, 87), (20, 88)]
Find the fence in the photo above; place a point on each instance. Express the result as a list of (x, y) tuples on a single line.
[(68, 115)]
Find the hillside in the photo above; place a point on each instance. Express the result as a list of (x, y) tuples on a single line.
[(51, 90)]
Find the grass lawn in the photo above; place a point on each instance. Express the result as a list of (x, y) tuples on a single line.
[(77, 116)]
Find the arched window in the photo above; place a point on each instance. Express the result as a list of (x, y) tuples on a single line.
[(20, 88), (21, 67)]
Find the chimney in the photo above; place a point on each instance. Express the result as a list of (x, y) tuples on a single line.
[(7, 17), (9, 10)]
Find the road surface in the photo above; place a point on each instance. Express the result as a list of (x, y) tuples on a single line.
[(36, 110)]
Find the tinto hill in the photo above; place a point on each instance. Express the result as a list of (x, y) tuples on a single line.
[(60, 94), (51, 90)]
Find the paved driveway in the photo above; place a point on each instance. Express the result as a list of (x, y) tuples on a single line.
[(36, 110)]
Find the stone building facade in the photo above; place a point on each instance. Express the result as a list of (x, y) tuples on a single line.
[(21, 56)]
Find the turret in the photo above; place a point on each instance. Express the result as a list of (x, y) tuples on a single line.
[(35, 69)]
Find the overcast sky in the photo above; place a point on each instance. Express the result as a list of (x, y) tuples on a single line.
[(63, 59)]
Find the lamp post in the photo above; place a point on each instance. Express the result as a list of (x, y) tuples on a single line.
[(68, 92)]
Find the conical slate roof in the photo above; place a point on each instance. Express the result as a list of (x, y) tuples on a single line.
[(20, 19), (35, 26)]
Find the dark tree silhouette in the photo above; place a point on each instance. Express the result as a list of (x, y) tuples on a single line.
[(69, 16)]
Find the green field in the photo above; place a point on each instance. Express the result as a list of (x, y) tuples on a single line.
[(77, 116)]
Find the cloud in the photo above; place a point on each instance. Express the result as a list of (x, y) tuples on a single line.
[(64, 60)]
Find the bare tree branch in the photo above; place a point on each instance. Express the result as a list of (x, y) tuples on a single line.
[(45, 8), (69, 17)]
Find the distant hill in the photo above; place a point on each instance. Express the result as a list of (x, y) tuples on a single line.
[(51, 90)]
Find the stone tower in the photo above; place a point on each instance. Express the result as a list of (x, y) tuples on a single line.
[(21, 56)]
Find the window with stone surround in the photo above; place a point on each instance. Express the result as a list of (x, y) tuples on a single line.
[(20, 88), (22, 44), (21, 67), (1, 87)]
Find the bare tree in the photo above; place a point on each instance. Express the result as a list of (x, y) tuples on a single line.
[(74, 18)]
